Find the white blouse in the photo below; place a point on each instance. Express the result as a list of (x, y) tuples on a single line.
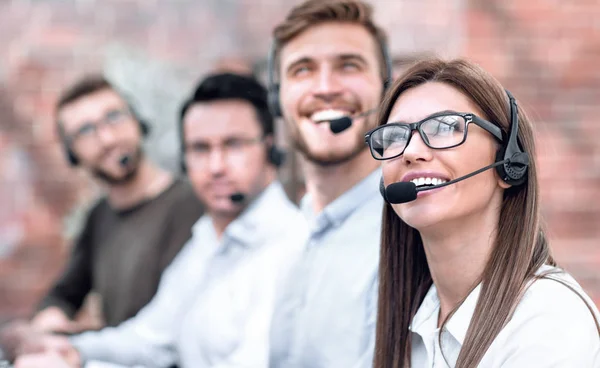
[(551, 327)]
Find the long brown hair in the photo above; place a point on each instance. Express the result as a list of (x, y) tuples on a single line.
[(516, 256)]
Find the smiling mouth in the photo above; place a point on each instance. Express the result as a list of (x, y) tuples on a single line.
[(327, 115), (427, 182)]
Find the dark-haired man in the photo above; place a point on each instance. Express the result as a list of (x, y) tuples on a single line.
[(215, 302), (133, 233)]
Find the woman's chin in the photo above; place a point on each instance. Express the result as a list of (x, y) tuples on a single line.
[(420, 218)]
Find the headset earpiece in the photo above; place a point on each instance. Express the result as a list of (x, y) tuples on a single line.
[(71, 158), (273, 97), (181, 133), (69, 154), (513, 172), (272, 85), (144, 126), (183, 167), (276, 156), (389, 69)]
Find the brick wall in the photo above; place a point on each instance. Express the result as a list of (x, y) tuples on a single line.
[(545, 52)]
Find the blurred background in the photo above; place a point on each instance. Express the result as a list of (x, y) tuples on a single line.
[(546, 52)]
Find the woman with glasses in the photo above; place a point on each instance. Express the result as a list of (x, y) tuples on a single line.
[(467, 278)]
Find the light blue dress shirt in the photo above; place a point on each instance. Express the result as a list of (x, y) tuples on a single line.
[(326, 312), (215, 301)]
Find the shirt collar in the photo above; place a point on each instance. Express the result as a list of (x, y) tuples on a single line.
[(461, 319), (426, 317), (338, 210), (426, 312), (459, 323), (250, 226)]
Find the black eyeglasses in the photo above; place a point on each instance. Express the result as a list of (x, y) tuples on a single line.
[(442, 130)]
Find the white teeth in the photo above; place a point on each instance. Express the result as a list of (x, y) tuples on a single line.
[(326, 115), (428, 181)]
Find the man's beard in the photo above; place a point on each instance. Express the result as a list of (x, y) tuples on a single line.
[(328, 158), (132, 171)]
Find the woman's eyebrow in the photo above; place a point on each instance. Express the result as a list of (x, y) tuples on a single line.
[(428, 116)]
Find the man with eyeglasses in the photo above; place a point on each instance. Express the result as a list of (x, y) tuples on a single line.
[(215, 302), (132, 233)]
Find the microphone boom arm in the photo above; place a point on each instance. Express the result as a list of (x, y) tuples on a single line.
[(464, 177)]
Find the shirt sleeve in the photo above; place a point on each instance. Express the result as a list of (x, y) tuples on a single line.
[(148, 339), (70, 290)]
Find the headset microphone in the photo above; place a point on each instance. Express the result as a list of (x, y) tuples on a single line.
[(406, 191), (237, 197), (124, 160), (340, 124)]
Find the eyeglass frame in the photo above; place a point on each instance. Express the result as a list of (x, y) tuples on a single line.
[(124, 112), (188, 149), (469, 118)]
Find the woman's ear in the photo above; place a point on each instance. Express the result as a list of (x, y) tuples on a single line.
[(501, 183)]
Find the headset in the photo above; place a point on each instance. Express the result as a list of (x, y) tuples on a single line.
[(511, 162), (514, 170), (74, 160), (273, 85)]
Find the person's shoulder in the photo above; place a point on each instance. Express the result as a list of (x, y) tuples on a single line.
[(556, 313), (373, 205), (181, 189), (367, 218), (181, 195), (280, 206), (555, 291), (289, 219), (98, 207), (286, 222)]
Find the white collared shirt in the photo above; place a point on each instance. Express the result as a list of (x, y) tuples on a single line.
[(551, 327), (214, 304)]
